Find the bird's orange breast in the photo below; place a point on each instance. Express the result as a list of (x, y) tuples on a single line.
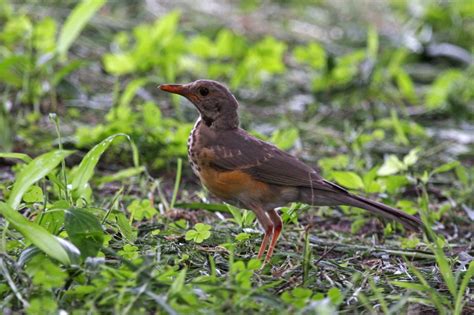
[(232, 184)]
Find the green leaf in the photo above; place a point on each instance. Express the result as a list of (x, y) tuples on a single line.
[(348, 179), (464, 283), (39, 236), (406, 86), (199, 233), (462, 174), (84, 230), (437, 94), (445, 267), (201, 227), (445, 167), (392, 165), (178, 283), (131, 91), (34, 194), (75, 22), (411, 158), (242, 237), (190, 235), (313, 54), (357, 225), (123, 174), (372, 42), (401, 137), (335, 295), (45, 273), (285, 138), (11, 155), (141, 209), (395, 182), (83, 173), (34, 171), (125, 227), (53, 219)]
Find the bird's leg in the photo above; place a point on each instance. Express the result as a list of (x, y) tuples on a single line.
[(267, 226), (277, 226)]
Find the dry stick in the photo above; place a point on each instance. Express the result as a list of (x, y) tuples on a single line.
[(325, 254)]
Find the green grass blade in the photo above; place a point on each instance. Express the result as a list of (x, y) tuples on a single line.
[(12, 155), (75, 22), (176, 183), (84, 172), (445, 268), (34, 171), (39, 236), (126, 173), (465, 281)]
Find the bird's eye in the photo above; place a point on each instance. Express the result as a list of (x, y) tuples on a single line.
[(203, 91)]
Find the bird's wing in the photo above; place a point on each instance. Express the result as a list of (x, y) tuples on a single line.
[(265, 162)]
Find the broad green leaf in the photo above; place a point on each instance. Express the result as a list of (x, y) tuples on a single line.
[(335, 295), (84, 230), (348, 179), (12, 69), (34, 194), (45, 273), (392, 165), (394, 182), (52, 220), (39, 236), (75, 22), (411, 158), (201, 227), (12, 155), (82, 174), (34, 171), (118, 64)]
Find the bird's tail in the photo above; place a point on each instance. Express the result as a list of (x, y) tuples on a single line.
[(339, 196), (409, 221)]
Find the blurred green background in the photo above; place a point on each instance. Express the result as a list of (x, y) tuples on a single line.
[(378, 95)]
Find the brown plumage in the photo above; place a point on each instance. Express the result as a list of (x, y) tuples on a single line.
[(248, 172)]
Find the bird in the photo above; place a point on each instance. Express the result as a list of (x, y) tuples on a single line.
[(253, 174)]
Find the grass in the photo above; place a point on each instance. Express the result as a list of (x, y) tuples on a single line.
[(100, 212)]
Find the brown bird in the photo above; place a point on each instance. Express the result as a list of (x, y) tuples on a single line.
[(245, 171)]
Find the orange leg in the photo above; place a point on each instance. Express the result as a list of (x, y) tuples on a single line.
[(267, 226), (277, 226)]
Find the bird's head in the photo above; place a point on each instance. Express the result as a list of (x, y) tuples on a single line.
[(215, 103)]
